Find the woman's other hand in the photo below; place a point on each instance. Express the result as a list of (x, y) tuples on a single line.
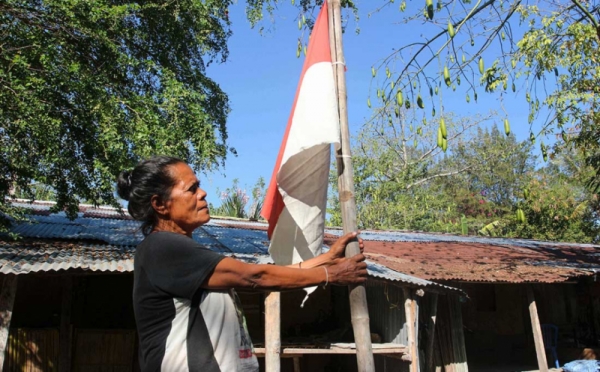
[(338, 249)]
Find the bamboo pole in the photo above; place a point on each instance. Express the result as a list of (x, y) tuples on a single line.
[(537, 331), (358, 294), (411, 332), (273, 332)]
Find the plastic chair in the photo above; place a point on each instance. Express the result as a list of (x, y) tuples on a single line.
[(550, 336)]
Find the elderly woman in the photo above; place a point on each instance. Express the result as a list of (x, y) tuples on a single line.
[(187, 313)]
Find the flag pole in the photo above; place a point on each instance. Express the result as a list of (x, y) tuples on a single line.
[(358, 294)]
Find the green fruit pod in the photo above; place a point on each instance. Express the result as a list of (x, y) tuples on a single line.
[(387, 72), (472, 42), (450, 29), (299, 25), (504, 85), (481, 66), (429, 4), (514, 87), (555, 72), (303, 19), (564, 136), (304, 50), (513, 63), (444, 144), (520, 216), (436, 91), (399, 98), (440, 138), (531, 138), (407, 104), (373, 72), (464, 59), (397, 111), (403, 6), (415, 143), (369, 102), (420, 101), (503, 35), (419, 131), (526, 194), (468, 98), (447, 76), (506, 127), (433, 112), (431, 91), (414, 85), (443, 130), (392, 84)]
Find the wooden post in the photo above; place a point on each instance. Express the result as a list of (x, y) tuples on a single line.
[(65, 336), (7, 301), (537, 331), (411, 320), (273, 332), (358, 294), (429, 367)]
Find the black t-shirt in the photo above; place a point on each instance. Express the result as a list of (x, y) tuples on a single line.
[(169, 269)]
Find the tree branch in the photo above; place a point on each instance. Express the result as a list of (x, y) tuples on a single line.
[(452, 173)]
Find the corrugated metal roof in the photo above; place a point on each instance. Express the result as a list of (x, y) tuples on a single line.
[(54, 243), (427, 255)]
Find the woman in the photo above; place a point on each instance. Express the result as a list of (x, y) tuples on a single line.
[(187, 314)]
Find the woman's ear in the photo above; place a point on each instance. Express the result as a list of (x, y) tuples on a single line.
[(159, 205)]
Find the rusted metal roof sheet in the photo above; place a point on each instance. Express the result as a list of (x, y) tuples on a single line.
[(454, 261)]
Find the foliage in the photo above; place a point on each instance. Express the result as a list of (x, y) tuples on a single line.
[(258, 198), (234, 201), (89, 87), (474, 189)]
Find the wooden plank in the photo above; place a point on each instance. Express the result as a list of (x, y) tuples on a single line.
[(359, 311), (429, 360), (298, 351), (7, 301), (537, 331), (459, 350), (273, 332), (66, 338), (296, 364), (409, 309)]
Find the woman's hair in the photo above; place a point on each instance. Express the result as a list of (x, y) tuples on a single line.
[(150, 177)]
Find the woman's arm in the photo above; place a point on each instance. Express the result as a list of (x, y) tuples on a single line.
[(231, 273)]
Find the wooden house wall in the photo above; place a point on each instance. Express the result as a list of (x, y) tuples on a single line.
[(498, 326)]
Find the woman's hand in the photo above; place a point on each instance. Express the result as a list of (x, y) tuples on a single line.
[(348, 271), (338, 249)]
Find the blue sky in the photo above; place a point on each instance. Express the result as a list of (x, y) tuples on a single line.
[(262, 72)]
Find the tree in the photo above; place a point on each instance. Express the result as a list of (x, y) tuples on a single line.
[(404, 183), (544, 51), (234, 201), (88, 88)]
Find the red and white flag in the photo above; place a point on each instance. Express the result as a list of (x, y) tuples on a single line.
[(296, 200)]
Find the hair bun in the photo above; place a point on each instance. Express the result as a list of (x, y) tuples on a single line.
[(124, 184)]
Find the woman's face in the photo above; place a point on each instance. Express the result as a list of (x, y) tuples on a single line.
[(187, 207)]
